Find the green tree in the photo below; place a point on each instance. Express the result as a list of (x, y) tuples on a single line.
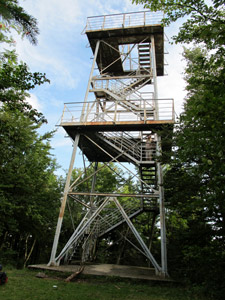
[(15, 81), (15, 17), (28, 184), (15, 78), (204, 23), (29, 189), (196, 178)]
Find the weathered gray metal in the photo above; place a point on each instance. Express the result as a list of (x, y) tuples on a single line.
[(63, 203), (162, 213), (116, 127)]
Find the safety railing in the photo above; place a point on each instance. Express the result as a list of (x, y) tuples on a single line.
[(132, 145), (136, 19), (118, 111), (125, 142), (123, 87)]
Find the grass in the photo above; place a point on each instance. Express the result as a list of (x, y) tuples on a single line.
[(23, 285)]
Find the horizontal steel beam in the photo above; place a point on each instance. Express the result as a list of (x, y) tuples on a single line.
[(155, 195)]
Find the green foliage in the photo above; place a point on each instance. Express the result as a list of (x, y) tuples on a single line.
[(195, 179), (205, 20), (15, 81), (15, 17), (28, 184)]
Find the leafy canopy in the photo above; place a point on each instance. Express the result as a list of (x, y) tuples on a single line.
[(15, 17), (204, 22), (15, 82)]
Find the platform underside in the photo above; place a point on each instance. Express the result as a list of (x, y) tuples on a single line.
[(132, 272), (121, 36), (73, 128), (94, 152)]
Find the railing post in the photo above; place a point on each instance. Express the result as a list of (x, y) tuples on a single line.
[(145, 115), (87, 112), (173, 112), (154, 77), (63, 113), (103, 25), (89, 82), (115, 112)]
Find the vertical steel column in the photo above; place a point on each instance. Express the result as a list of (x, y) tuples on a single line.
[(89, 81), (63, 204), (153, 57), (162, 212), (93, 184)]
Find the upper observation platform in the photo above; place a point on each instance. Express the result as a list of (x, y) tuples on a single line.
[(122, 35)]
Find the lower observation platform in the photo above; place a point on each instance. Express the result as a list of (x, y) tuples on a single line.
[(72, 128), (100, 142)]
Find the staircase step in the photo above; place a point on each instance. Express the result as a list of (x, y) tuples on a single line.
[(144, 45), (143, 51), (144, 55), (144, 59)]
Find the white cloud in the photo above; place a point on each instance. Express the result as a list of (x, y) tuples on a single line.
[(60, 140), (33, 100), (42, 59), (173, 85)]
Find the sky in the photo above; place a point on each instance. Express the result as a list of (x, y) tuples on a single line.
[(63, 54)]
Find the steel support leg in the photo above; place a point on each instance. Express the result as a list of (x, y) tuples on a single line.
[(63, 203), (162, 214), (93, 184)]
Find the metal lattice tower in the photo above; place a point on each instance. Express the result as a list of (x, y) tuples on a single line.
[(119, 121)]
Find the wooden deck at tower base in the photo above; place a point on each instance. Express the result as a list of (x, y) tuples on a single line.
[(131, 272)]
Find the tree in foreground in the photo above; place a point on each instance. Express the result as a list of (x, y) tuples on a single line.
[(29, 189), (15, 17), (28, 186), (196, 179)]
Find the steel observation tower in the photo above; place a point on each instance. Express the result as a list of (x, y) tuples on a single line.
[(120, 121)]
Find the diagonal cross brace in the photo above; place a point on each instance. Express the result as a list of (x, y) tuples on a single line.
[(81, 229), (138, 237)]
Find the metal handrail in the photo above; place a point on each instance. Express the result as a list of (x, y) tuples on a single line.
[(126, 20), (117, 111)]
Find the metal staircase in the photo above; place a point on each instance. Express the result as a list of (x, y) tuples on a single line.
[(109, 219), (149, 176), (144, 57), (121, 91), (123, 141), (132, 147)]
